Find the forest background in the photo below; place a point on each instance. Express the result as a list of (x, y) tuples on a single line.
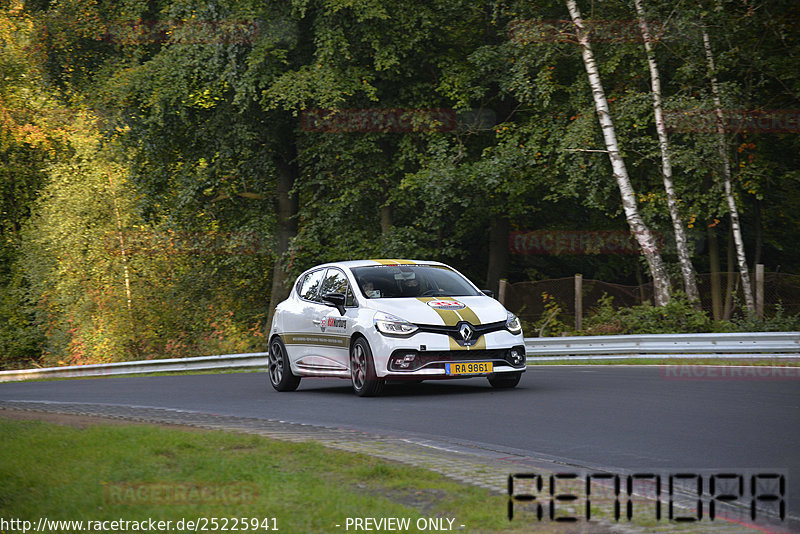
[(168, 167)]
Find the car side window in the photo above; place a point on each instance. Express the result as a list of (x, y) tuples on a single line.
[(309, 289), (336, 282)]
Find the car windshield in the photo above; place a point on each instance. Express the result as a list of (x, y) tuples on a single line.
[(397, 281)]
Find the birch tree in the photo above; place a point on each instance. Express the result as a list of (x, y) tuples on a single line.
[(687, 270), (726, 174), (642, 233)]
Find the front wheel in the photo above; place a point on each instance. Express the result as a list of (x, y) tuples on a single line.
[(280, 373), (362, 370), (505, 380)]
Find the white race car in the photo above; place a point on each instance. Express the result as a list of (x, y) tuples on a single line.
[(376, 320)]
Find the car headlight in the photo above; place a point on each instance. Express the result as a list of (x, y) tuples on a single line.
[(512, 324), (392, 325)]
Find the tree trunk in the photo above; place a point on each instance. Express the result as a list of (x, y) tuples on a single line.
[(731, 278), (687, 269), (716, 285), (726, 175), (644, 236), (287, 229), (386, 219), (759, 234), (121, 237), (498, 253)]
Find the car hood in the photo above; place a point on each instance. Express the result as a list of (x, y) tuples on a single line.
[(443, 310)]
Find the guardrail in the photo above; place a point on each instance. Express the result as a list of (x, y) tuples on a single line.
[(201, 363), (739, 345)]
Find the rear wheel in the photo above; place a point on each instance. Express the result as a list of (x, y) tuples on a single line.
[(362, 370), (505, 380), (280, 373)]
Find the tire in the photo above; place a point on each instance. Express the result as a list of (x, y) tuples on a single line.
[(505, 380), (280, 372), (362, 370)]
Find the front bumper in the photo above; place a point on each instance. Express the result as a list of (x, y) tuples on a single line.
[(412, 361), (426, 354)]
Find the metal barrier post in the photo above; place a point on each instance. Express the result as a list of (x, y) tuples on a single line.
[(578, 301)]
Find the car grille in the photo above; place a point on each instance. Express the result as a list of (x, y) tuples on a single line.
[(452, 331)]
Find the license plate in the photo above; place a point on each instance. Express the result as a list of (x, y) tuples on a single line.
[(469, 368)]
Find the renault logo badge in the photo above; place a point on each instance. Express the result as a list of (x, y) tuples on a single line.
[(465, 331)]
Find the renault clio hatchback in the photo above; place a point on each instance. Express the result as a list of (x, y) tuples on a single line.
[(370, 321)]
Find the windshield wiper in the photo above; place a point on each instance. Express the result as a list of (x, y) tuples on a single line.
[(435, 293)]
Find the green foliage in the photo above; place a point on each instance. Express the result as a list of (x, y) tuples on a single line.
[(21, 338), (551, 322), (604, 319), (109, 287), (200, 130), (776, 321), (679, 316)]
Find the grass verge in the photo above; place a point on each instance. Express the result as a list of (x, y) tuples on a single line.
[(105, 472)]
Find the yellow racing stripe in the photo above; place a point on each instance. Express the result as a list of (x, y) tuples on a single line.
[(394, 262), (468, 315), (450, 317), (453, 317)]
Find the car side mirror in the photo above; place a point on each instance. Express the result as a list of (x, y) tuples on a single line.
[(334, 299), (488, 292)]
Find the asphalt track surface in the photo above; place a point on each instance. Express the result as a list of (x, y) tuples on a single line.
[(622, 419)]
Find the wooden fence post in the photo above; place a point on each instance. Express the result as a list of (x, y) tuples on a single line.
[(760, 290), (578, 301), (501, 292)]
